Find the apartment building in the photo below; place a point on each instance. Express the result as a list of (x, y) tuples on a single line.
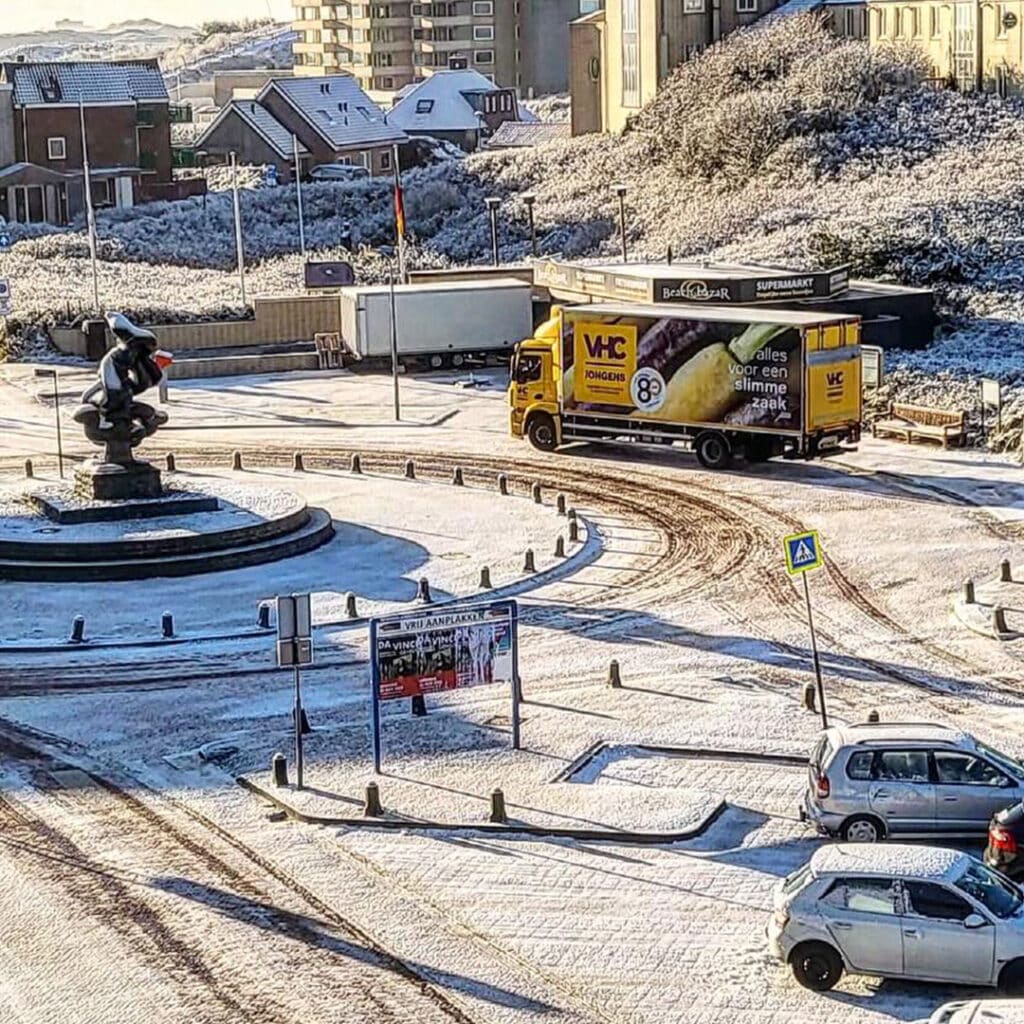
[(622, 53), (521, 44)]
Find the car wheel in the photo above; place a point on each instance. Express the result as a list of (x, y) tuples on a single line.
[(1011, 978), (713, 451), (816, 965), (862, 829), (541, 432)]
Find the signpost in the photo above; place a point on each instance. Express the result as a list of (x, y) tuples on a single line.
[(991, 395), (872, 366), (423, 652), (803, 553), (295, 649), (5, 297)]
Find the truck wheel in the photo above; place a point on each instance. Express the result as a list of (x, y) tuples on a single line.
[(436, 362), (713, 451), (541, 432), (458, 359)]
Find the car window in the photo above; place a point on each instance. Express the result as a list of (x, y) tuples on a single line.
[(821, 752), (859, 766), (999, 894), (926, 899), (868, 895), (1006, 763), (528, 369), (966, 770), (902, 765)]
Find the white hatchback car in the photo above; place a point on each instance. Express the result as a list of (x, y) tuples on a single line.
[(916, 912)]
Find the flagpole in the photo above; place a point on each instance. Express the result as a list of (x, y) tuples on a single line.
[(399, 222), (90, 214)]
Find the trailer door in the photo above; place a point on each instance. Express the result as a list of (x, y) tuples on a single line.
[(833, 375)]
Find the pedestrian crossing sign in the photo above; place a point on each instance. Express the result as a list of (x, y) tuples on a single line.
[(803, 552)]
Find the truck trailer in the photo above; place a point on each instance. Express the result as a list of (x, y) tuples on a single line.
[(438, 324), (724, 380)]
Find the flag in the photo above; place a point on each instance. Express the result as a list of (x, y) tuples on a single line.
[(399, 212)]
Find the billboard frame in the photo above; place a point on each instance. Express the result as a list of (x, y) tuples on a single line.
[(375, 677)]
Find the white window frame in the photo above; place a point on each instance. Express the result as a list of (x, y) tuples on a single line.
[(61, 147), (1001, 30), (478, 57), (693, 6), (483, 33), (385, 161), (746, 6), (483, 8)]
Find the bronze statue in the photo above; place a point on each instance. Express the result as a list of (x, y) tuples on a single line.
[(109, 413)]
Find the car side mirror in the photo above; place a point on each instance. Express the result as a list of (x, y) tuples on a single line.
[(974, 921)]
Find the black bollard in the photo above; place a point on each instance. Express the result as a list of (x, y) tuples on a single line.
[(999, 620), (357, 464), (78, 629), (167, 624), (1005, 576), (236, 460), (873, 717), (560, 504), (528, 563), (351, 612), (263, 615), (485, 578), (171, 464), (809, 697), (457, 480), (279, 768), (559, 546), (418, 706), (29, 471), (298, 466), (968, 591), (498, 813), (614, 678), (574, 531), (502, 483), (423, 591), (410, 470), (535, 493), (371, 804)]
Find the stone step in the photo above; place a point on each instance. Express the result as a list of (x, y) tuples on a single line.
[(317, 530), (249, 359)]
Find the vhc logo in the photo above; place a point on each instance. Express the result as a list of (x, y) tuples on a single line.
[(834, 385), (610, 347)]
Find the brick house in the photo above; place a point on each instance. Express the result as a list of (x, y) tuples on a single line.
[(255, 136), (127, 128)]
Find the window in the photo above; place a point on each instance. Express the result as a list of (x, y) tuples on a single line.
[(417, 10), (56, 148), (902, 766), (929, 900), (746, 6), (483, 56), (934, 22), (693, 6), (483, 33), (866, 895), (528, 369), (998, 894), (631, 53), (859, 766), (424, 106), (1003, 761), (483, 8), (966, 770), (915, 22)]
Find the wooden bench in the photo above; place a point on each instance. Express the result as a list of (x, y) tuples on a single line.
[(923, 422)]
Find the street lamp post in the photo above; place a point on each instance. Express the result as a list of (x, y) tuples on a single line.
[(239, 247), (51, 372), (530, 199), (493, 202), (620, 191)]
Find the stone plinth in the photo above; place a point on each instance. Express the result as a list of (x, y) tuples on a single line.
[(70, 508), (113, 481)]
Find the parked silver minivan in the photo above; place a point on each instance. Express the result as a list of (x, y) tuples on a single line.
[(866, 782)]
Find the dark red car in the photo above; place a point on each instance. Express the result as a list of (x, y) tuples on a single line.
[(1005, 850)]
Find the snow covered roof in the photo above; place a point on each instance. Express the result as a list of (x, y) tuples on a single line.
[(803, 6), (894, 860), (899, 732), (519, 134), (65, 82), (439, 102), (261, 121), (337, 108), (30, 174)]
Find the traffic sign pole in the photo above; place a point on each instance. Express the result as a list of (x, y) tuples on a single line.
[(814, 652), (375, 696), (298, 725)]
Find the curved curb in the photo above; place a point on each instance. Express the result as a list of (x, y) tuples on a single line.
[(489, 828), (977, 617)]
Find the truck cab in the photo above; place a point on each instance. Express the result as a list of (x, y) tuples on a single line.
[(532, 390)]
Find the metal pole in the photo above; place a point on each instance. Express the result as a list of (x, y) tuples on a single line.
[(238, 226), (374, 697), (622, 222), (399, 233), (814, 651), (492, 206), (394, 345), (90, 213), (979, 76), (56, 416), (529, 200), (298, 726), (516, 695), (298, 196)]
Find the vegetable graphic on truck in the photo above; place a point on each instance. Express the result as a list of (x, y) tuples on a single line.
[(726, 380)]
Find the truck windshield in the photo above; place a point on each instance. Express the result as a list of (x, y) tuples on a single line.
[(527, 369), (998, 894)]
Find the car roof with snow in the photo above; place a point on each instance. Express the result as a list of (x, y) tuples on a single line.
[(897, 732), (890, 860)]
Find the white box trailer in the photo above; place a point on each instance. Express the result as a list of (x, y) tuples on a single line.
[(442, 323)]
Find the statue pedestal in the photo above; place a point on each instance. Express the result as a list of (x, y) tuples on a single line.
[(112, 481)]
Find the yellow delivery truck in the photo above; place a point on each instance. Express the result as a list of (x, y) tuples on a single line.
[(724, 380)]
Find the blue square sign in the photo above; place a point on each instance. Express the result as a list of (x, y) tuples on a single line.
[(803, 552)]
